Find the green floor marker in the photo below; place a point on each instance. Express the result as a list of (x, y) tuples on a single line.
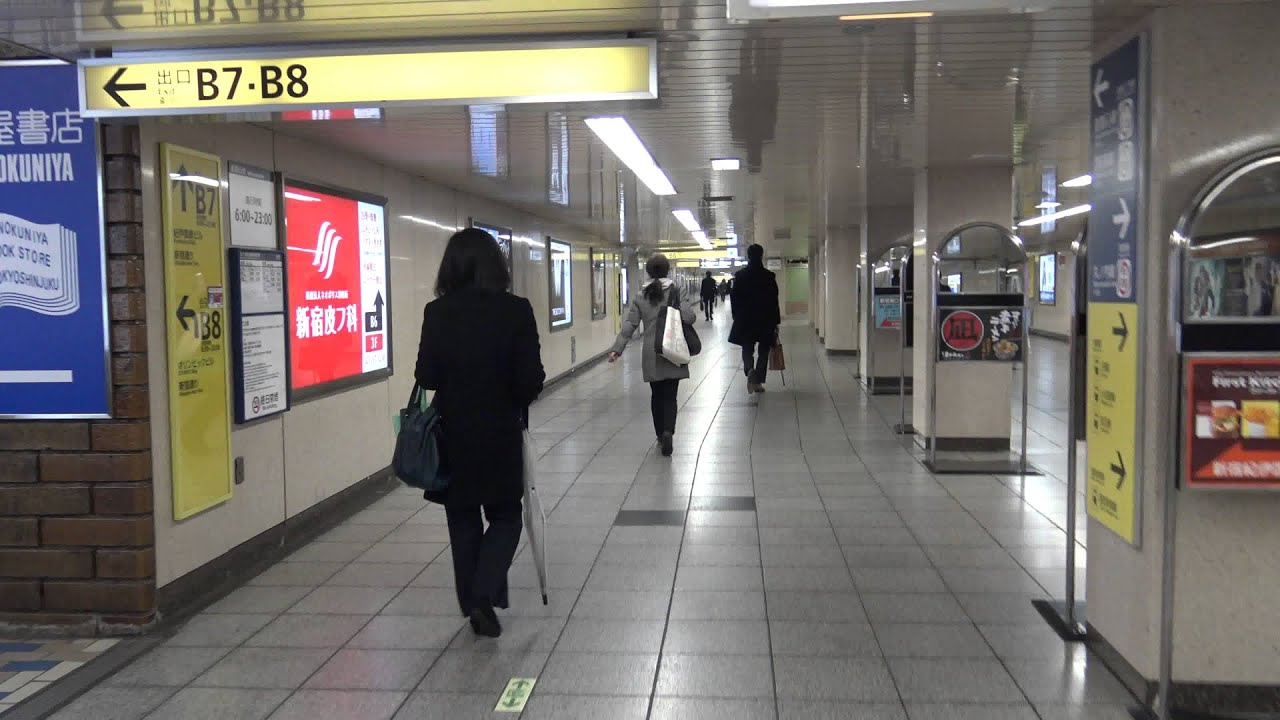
[(516, 695)]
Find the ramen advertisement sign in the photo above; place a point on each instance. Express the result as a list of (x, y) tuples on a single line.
[(1233, 433), (991, 334)]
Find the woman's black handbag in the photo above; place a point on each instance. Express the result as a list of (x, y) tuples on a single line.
[(690, 335), (419, 455)]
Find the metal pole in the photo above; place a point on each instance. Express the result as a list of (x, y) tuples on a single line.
[(931, 362), (1073, 419), (870, 329), (1026, 363), (1166, 589), (902, 345)]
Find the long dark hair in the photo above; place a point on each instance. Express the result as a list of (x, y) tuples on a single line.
[(658, 267), (472, 259)]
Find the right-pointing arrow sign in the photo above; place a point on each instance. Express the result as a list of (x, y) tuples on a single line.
[(114, 87), (1119, 469), (1122, 219), (1121, 332), (1099, 86)]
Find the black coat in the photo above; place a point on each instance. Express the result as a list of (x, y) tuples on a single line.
[(754, 301), (479, 351), (708, 289)]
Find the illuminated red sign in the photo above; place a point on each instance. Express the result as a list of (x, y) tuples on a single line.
[(337, 273), (334, 114), (962, 331)]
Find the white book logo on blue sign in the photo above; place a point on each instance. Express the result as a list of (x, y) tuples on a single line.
[(38, 267)]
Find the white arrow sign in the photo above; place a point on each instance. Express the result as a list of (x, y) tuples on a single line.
[(1122, 218), (1100, 86)]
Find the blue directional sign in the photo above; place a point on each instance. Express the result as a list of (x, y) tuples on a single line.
[(1118, 136), (54, 350)]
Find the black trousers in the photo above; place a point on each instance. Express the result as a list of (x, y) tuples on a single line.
[(756, 364), (663, 405), (708, 306), (482, 557)]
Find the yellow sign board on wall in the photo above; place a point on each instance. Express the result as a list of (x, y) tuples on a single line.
[(1112, 495), (249, 81), (195, 329)]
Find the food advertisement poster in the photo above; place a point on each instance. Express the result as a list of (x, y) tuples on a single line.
[(980, 334), (1233, 432), (339, 307)]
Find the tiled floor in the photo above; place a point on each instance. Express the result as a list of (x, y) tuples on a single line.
[(792, 560), (29, 666)]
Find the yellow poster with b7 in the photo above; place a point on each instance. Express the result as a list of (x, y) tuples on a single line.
[(1112, 495), (195, 329)]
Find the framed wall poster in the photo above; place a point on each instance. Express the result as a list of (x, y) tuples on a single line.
[(560, 283), (599, 302), (1047, 273), (337, 277), (1232, 407), (503, 237)]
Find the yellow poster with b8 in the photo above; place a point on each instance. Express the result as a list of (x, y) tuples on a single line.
[(1112, 495), (195, 329)]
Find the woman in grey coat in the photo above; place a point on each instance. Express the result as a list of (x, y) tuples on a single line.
[(662, 375)]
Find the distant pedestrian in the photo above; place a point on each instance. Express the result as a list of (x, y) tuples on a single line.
[(755, 317), (724, 290), (662, 375), (709, 296), (484, 383)]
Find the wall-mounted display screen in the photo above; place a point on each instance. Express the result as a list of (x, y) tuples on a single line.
[(560, 291), (502, 236), (1047, 272), (337, 268), (599, 303), (954, 281)]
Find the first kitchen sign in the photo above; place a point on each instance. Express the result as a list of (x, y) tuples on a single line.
[(53, 310)]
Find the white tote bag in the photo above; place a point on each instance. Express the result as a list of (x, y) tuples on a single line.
[(674, 347)]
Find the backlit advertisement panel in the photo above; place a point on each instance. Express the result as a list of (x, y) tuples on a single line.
[(561, 281), (339, 307)]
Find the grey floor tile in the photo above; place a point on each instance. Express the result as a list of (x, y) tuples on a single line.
[(937, 640), (721, 676), (1030, 642), (577, 707), (1018, 711), (351, 669), (1069, 682), (329, 552), (969, 680), (790, 709), (438, 574), (717, 637), (345, 600), (114, 703), (824, 678), (913, 607), (611, 636), (886, 556), (417, 533), (259, 599), (669, 708), (441, 601), (823, 639), (470, 671), (875, 536), (352, 532), (796, 536), (999, 608), (208, 630), (722, 605), (268, 668), (623, 577), (308, 631), (449, 706), (363, 574), (702, 535), (196, 703), (308, 574), (391, 632), (898, 580), (986, 580), (795, 556), (719, 578), (622, 605), (813, 579), (815, 606), (412, 553), (519, 635), (598, 674), (167, 667), (1084, 712), (340, 705), (720, 555)]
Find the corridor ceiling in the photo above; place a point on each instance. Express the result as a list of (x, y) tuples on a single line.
[(827, 116)]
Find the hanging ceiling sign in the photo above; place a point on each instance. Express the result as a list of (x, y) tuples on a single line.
[(268, 80), (126, 20)]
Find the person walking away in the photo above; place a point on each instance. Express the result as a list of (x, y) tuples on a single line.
[(756, 317), (709, 296), (662, 375), (484, 381), (724, 290)]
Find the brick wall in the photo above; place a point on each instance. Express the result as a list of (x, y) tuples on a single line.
[(77, 533)]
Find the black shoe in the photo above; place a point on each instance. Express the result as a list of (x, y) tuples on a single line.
[(666, 442), (485, 622)]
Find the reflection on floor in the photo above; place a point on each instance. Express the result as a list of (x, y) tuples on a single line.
[(792, 560)]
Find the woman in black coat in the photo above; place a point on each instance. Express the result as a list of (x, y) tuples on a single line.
[(480, 353)]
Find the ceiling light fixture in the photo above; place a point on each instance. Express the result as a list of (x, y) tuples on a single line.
[(1082, 181), (1048, 205), (617, 134), (701, 237), (687, 219), (888, 16), (726, 164), (1077, 210)]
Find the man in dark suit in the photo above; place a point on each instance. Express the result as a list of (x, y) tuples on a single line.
[(756, 317), (708, 296)]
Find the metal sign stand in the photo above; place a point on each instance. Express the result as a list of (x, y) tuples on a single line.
[(903, 427)]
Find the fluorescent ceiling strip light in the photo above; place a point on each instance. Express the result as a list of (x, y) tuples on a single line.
[(616, 133), (1077, 210), (726, 164), (687, 219), (701, 237), (887, 16), (1082, 181)]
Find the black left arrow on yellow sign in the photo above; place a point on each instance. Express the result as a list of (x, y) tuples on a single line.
[(112, 10), (114, 87)]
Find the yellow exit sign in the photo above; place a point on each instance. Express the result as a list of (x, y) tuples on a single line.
[(256, 81)]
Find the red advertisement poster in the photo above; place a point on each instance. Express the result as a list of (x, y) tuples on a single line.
[(337, 272), (1233, 433), (982, 334)]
